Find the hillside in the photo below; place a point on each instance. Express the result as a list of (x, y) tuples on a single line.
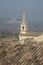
[(13, 53)]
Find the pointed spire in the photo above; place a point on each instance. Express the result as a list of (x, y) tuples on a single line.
[(24, 18)]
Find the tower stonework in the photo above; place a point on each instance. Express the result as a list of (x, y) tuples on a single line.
[(25, 34), (24, 27)]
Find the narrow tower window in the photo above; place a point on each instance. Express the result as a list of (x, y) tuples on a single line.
[(23, 27)]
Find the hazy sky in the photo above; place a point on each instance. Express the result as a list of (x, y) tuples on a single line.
[(14, 8)]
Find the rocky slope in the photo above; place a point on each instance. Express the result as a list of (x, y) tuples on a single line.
[(17, 54)]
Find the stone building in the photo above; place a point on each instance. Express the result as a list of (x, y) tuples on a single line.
[(25, 34)]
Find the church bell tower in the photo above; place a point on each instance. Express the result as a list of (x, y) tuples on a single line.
[(24, 26)]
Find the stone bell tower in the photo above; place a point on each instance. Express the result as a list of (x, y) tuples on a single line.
[(24, 28)]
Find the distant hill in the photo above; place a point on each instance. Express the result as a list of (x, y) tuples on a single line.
[(14, 24)]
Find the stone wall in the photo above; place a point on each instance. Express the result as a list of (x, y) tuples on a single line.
[(37, 39)]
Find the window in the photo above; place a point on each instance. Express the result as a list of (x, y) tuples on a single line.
[(23, 27)]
